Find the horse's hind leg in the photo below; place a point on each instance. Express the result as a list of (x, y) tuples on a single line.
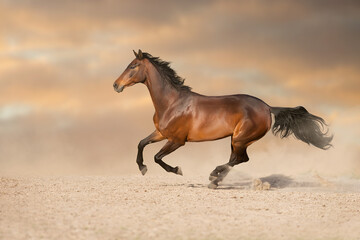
[(238, 155), (245, 134), (167, 149)]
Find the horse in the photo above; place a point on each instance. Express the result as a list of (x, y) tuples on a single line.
[(182, 115)]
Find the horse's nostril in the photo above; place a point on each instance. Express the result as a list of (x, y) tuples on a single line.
[(115, 85)]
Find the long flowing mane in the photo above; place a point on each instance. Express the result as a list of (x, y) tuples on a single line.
[(167, 72)]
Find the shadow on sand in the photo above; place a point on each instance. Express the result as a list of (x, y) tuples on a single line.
[(276, 181)]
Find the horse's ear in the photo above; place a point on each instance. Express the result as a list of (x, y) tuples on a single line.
[(140, 55), (136, 55)]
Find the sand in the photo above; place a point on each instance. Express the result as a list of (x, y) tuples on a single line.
[(167, 206)]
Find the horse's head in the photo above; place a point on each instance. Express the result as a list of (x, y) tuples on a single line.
[(134, 73)]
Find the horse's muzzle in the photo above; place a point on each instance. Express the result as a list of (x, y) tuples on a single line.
[(118, 88)]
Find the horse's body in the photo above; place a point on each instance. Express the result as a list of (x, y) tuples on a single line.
[(185, 116), (193, 119)]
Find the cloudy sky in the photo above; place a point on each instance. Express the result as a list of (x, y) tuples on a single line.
[(59, 59)]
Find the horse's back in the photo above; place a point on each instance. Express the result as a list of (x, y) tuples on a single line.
[(238, 104)]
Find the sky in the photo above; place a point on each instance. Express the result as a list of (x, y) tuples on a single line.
[(59, 59)]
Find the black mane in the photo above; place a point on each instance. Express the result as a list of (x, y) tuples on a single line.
[(167, 72)]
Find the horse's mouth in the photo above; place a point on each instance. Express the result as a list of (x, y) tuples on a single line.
[(120, 89)]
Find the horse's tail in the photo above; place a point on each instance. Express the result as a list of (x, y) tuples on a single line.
[(305, 126)]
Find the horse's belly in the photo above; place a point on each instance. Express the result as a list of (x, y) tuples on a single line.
[(209, 132)]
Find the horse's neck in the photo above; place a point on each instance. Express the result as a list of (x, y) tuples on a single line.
[(161, 92)]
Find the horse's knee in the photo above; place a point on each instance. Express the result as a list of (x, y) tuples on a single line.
[(141, 145), (157, 159)]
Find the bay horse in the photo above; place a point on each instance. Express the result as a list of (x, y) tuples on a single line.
[(182, 115)]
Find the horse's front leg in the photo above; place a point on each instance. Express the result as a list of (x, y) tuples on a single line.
[(152, 138), (167, 149)]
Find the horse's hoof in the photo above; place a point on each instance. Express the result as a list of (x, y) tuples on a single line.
[(212, 178), (178, 171), (212, 185), (143, 170)]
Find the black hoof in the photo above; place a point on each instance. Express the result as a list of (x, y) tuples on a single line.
[(212, 185), (178, 171), (143, 170)]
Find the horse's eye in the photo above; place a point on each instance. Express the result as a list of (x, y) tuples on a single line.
[(133, 66)]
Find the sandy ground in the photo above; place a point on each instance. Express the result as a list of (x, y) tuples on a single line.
[(175, 207)]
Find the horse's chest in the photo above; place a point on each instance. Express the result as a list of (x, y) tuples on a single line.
[(171, 127)]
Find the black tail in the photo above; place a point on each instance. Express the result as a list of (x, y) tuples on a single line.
[(305, 126)]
